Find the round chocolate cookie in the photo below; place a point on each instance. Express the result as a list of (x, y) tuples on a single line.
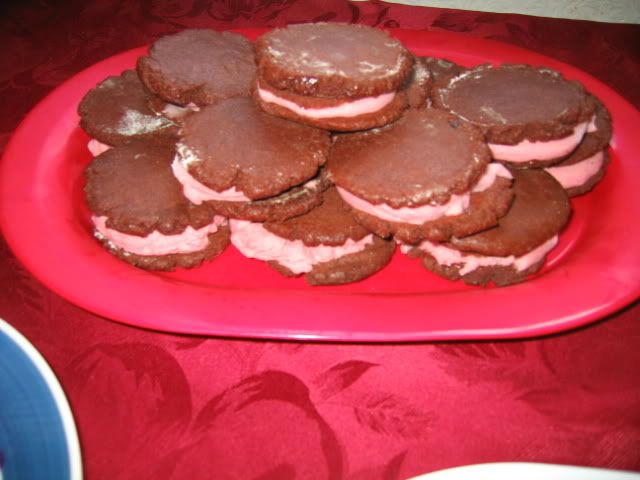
[(530, 116), (516, 247), (587, 164), (235, 154), (199, 66), (427, 176), (116, 112), (140, 214), (336, 76), (326, 245)]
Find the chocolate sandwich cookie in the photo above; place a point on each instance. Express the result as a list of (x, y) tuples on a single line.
[(116, 112), (326, 245), (140, 214), (427, 176), (249, 164), (334, 76), (516, 247), (531, 117), (199, 66), (586, 166)]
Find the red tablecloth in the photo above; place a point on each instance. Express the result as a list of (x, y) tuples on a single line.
[(155, 405)]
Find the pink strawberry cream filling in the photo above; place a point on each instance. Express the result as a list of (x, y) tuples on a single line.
[(255, 241), (351, 109), (548, 150), (156, 243), (195, 191), (96, 147), (577, 174), (470, 262), (426, 213)]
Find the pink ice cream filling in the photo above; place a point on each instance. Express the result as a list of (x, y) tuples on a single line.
[(156, 243), (470, 262), (255, 241), (456, 205), (96, 147), (351, 109), (571, 176), (526, 150)]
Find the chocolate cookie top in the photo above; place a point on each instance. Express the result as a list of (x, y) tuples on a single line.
[(516, 102), (235, 144), (199, 66), (134, 187), (116, 111), (333, 60), (331, 223), (423, 158), (539, 211)]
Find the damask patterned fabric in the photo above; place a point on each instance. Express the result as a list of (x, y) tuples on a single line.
[(157, 405)]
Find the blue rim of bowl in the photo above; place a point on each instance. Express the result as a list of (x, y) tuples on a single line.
[(55, 389)]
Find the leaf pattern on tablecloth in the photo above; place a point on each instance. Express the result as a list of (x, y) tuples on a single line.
[(171, 9), (340, 377), (483, 350), (289, 348), (229, 11), (600, 397), (518, 32), (157, 408), (488, 362), (189, 343), (248, 398), (461, 22), (392, 415)]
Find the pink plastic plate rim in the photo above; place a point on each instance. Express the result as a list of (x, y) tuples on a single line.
[(594, 271)]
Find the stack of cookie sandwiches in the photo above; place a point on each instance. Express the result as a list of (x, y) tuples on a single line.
[(533, 118), (320, 147)]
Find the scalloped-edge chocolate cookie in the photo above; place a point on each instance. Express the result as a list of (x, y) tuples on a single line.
[(140, 214), (531, 117), (427, 176), (249, 164), (116, 111), (199, 66), (514, 249), (334, 76), (587, 164)]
